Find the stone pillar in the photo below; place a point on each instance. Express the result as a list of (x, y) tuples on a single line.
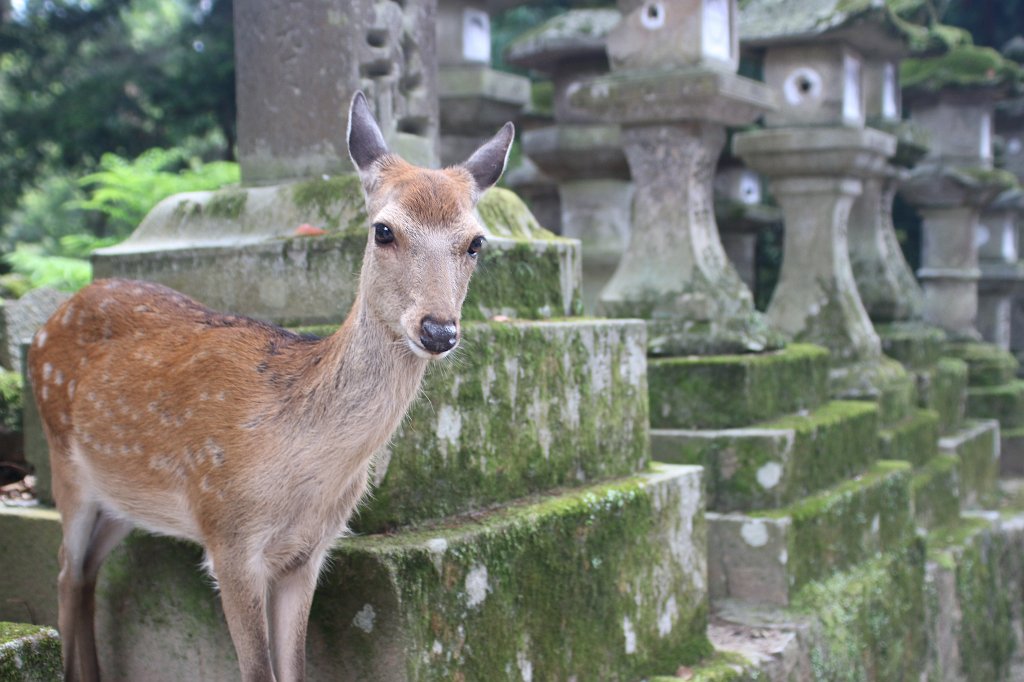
[(582, 154), (1002, 273), (475, 99), (950, 188), (816, 154), (741, 215), (675, 273), (297, 66)]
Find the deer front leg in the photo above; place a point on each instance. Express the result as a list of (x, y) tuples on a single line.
[(243, 594), (291, 597)]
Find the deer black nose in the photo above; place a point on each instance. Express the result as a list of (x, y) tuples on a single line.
[(438, 337)]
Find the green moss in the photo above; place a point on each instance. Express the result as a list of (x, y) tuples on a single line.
[(531, 406), (979, 466), (1005, 403), (897, 399), (965, 66), (567, 578), (726, 391), (944, 391), (914, 439), (29, 653), (542, 97), (504, 214), (228, 204), (915, 346), (723, 666), (870, 619), (839, 527), (936, 491), (331, 199)]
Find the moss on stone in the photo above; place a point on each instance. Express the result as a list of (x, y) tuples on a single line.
[(913, 440), (965, 66), (723, 666), (29, 653), (897, 400), (936, 492), (944, 391), (916, 346), (979, 466), (716, 392), (840, 527), (330, 199), (1005, 403), (776, 463), (870, 619), (228, 204), (504, 214), (11, 400), (530, 407)]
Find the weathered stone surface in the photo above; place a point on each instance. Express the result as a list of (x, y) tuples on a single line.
[(29, 538), (575, 33), (912, 439), (29, 653), (720, 392), (767, 557), (944, 390), (977, 447), (914, 345), (987, 365), (235, 250), (815, 84), (776, 463), (19, 320), (531, 406), (1004, 402), (471, 598), (936, 492)]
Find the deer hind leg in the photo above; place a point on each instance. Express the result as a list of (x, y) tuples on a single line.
[(89, 536), (291, 596), (243, 594)]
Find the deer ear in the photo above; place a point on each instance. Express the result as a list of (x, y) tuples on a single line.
[(488, 163), (365, 141)]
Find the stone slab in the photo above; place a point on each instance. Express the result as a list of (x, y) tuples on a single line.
[(988, 365), (976, 444), (530, 406), (767, 557), (29, 653), (936, 492), (897, 398), (235, 250), (726, 391), (943, 389), (478, 99), (774, 464), (1004, 402), (914, 345), (20, 319), (473, 598), (29, 538), (912, 439)]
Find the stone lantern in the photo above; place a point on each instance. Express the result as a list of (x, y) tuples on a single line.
[(742, 215), (582, 154), (475, 99), (817, 153), (673, 88), (998, 240)]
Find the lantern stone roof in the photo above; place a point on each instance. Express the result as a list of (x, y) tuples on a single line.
[(875, 27), (572, 35), (965, 67)]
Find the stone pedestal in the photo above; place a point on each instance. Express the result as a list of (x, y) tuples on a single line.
[(675, 273), (815, 174), (742, 217), (1001, 270)]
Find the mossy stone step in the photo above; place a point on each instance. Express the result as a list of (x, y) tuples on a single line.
[(915, 346), (729, 391), (936, 491), (943, 389), (767, 556), (605, 582), (29, 653), (1002, 402), (976, 445), (897, 398), (914, 439), (1011, 452), (988, 364), (776, 463), (972, 590)]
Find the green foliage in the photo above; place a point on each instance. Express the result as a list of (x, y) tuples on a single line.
[(125, 190), (42, 270)]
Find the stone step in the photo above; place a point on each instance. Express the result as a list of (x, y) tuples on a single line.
[(776, 463), (1003, 402), (914, 439), (936, 492), (730, 391), (526, 407), (915, 346), (235, 250), (976, 445), (29, 653), (897, 399), (943, 389), (605, 582), (988, 364), (766, 557)]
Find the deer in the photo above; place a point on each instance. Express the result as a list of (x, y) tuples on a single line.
[(250, 440)]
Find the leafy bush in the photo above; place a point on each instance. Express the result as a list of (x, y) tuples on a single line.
[(42, 270), (125, 190)]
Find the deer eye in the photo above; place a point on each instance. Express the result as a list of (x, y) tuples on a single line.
[(475, 246), (382, 234)]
